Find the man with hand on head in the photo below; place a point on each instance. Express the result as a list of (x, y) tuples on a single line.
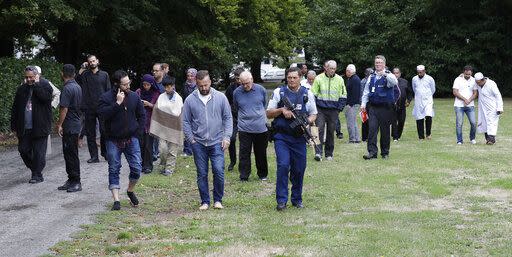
[(124, 116), (31, 120)]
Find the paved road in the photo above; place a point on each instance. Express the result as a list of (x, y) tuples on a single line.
[(35, 217)]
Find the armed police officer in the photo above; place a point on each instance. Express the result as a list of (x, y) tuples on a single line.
[(379, 99), (289, 145)]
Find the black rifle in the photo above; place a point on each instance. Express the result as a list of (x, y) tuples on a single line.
[(300, 122)]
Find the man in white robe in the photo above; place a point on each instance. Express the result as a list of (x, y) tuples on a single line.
[(490, 107), (424, 88)]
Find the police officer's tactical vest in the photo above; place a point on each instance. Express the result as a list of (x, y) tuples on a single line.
[(380, 94), (299, 99)]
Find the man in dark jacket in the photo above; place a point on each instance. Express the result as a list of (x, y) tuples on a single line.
[(124, 117), (406, 94), (31, 119), (188, 87), (353, 103), (94, 83), (234, 113)]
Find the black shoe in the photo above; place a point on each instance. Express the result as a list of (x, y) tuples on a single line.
[(93, 160), (147, 171), (339, 136), (281, 206), (75, 187), (298, 205), (65, 186), (369, 157), (244, 179), (231, 166), (133, 199), (116, 206), (35, 180), (385, 157)]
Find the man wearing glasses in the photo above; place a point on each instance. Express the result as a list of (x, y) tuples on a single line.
[(31, 119), (94, 83), (124, 117)]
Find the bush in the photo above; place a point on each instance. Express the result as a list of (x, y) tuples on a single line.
[(11, 76)]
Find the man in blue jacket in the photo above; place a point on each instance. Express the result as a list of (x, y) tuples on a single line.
[(124, 117), (207, 125)]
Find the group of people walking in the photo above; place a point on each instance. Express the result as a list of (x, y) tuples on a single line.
[(155, 121)]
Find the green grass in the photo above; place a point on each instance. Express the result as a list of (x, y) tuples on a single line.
[(431, 198)]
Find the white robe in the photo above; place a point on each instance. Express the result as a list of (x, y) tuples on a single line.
[(489, 103), (424, 90)]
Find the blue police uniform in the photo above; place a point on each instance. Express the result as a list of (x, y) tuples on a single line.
[(290, 149), (381, 99)]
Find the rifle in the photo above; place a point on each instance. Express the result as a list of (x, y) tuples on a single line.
[(300, 122)]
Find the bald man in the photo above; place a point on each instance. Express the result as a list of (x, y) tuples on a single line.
[(249, 101)]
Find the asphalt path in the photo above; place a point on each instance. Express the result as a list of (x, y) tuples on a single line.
[(34, 217)]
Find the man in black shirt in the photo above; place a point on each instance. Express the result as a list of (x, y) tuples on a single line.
[(406, 94), (229, 95), (94, 83), (68, 127)]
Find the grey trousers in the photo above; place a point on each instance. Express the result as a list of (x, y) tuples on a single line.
[(351, 113)]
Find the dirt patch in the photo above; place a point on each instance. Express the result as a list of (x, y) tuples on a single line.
[(244, 250)]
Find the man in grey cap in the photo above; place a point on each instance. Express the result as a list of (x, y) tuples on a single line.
[(490, 107)]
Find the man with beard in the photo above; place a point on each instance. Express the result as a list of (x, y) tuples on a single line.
[(31, 119), (424, 88), (94, 83), (124, 116), (207, 125), (465, 91)]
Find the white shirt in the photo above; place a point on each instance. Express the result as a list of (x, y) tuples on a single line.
[(305, 83), (466, 88), (205, 98)]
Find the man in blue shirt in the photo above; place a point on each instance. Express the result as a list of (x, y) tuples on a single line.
[(249, 102)]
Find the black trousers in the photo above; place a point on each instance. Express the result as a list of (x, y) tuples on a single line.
[(90, 131), (364, 131), (329, 117), (259, 142), (146, 149), (424, 128), (33, 152), (232, 144), (70, 150), (379, 120), (397, 127)]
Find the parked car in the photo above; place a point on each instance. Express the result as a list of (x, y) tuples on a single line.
[(273, 74)]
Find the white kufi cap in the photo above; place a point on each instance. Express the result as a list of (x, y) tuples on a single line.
[(479, 76), (420, 67)]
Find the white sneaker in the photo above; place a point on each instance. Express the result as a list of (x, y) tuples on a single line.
[(329, 158), (203, 207), (473, 142), (318, 157), (218, 205), (459, 143)]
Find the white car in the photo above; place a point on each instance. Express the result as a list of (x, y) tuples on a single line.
[(273, 74)]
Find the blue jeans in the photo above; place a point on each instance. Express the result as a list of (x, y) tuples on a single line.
[(291, 161), (459, 121), (131, 153), (215, 154)]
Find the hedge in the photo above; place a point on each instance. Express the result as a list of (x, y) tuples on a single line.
[(11, 76)]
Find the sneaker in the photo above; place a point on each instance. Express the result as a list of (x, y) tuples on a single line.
[(429, 137), (166, 172), (35, 180), (203, 207), (218, 205), (369, 157), (133, 199), (329, 158), (318, 157), (116, 206), (264, 179), (473, 142), (339, 136), (231, 166), (395, 140), (459, 143)]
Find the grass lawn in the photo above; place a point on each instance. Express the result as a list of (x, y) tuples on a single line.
[(431, 198)]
